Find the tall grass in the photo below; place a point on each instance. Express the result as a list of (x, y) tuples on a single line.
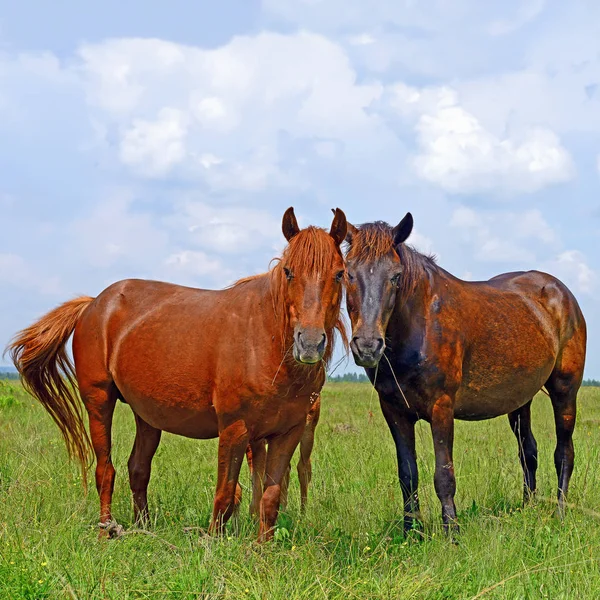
[(349, 544)]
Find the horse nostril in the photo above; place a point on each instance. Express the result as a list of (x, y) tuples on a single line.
[(321, 346)]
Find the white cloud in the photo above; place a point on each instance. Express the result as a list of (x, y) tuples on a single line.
[(116, 236), (17, 272), (527, 11), (572, 268), (362, 39), (457, 153), (425, 15), (425, 37), (188, 267), (178, 106), (421, 242), (503, 236), (155, 147), (227, 230)]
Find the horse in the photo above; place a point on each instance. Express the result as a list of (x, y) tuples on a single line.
[(456, 349), (242, 364)]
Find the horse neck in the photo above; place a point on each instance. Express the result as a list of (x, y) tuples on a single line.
[(273, 314), (268, 326), (411, 307)]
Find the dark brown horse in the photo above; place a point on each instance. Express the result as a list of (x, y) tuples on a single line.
[(244, 364), (438, 348)]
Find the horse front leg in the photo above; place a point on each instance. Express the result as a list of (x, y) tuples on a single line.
[(402, 428), (233, 442), (442, 430), (279, 455)]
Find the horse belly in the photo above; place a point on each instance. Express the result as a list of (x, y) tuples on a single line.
[(499, 393), (182, 414)]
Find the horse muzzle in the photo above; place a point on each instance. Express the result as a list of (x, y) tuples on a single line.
[(309, 346), (367, 351)]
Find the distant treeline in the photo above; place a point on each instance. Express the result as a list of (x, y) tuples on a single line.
[(9, 375), (591, 383), (349, 378), (362, 378)]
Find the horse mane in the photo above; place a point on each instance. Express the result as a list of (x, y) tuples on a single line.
[(308, 252), (373, 241)]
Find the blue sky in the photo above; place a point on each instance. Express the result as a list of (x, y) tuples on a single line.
[(165, 140)]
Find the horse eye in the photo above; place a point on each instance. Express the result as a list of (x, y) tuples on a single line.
[(339, 276), (395, 278), (350, 277), (288, 274)]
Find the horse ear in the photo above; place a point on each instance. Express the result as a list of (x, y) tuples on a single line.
[(339, 227), (351, 229), (289, 225), (403, 229)]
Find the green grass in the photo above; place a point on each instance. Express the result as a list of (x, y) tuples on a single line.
[(349, 544)]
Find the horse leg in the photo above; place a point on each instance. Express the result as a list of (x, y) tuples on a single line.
[(146, 442), (306, 446), (100, 402), (403, 434), (257, 459), (520, 423), (281, 450), (233, 442), (442, 430), (563, 394), (285, 486)]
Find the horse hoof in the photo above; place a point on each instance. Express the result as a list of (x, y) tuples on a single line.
[(413, 528), (110, 530)]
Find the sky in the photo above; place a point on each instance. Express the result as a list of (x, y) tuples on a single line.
[(165, 140)]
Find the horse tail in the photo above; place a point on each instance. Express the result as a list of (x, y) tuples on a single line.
[(47, 373)]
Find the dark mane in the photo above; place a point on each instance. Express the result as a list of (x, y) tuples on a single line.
[(373, 241), (308, 252)]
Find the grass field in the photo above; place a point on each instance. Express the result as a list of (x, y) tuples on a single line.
[(349, 544)]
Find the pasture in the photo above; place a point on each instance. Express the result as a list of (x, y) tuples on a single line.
[(348, 545)]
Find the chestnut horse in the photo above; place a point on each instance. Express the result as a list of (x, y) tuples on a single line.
[(438, 348), (243, 364)]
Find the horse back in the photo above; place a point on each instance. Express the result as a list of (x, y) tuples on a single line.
[(544, 290)]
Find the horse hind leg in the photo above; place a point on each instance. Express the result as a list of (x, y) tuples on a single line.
[(520, 423), (139, 465), (285, 486), (563, 388), (256, 454), (306, 446), (100, 404)]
